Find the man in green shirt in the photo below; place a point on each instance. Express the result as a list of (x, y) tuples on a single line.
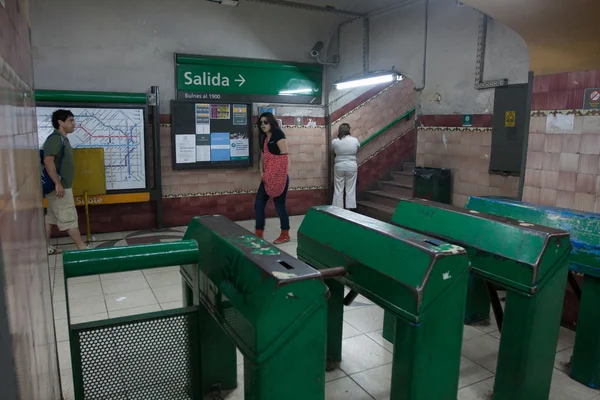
[(58, 155)]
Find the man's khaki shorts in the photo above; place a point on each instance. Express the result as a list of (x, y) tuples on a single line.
[(62, 212)]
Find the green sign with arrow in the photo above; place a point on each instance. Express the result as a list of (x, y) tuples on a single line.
[(210, 78)]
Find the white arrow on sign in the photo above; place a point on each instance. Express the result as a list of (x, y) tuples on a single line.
[(241, 80)]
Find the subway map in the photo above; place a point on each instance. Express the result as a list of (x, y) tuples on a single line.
[(120, 131)]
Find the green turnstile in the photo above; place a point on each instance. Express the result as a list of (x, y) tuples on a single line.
[(420, 280), (269, 305), (531, 262), (584, 229)]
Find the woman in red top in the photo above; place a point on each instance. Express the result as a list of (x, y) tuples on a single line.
[(273, 166)]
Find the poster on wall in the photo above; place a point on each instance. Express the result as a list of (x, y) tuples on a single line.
[(185, 149), (222, 135)]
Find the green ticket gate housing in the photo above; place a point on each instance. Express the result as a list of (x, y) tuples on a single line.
[(419, 280), (584, 230), (268, 304), (150, 356), (531, 262)]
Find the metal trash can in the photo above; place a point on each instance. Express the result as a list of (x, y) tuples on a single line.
[(433, 184)]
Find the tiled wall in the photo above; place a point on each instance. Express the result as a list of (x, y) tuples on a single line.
[(23, 262), (563, 164), (443, 143)]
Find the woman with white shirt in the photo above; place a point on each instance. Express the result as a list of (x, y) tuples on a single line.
[(345, 169)]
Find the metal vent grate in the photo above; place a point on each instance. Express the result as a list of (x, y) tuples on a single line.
[(138, 359)]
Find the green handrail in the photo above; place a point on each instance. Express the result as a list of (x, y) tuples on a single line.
[(69, 96), (388, 126)]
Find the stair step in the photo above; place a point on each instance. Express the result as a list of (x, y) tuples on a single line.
[(395, 187), (403, 177), (375, 210), (388, 199), (408, 166)]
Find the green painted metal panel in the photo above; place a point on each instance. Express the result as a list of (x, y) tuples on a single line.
[(261, 294), (243, 77), (369, 250), (507, 251), (130, 258), (67, 96), (583, 227)]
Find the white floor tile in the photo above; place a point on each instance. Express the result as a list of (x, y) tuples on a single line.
[(61, 328), (483, 350), (87, 306), (360, 353), (345, 389), (83, 290), (60, 310), (349, 331), (138, 298), (564, 388), (167, 294), (125, 284), (562, 359), (492, 327), (377, 381), (471, 373), (66, 381), (134, 311), (161, 270), (566, 339), (479, 391), (89, 318), (103, 237), (161, 279), (121, 275), (470, 332), (83, 279), (171, 305), (333, 375), (64, 355), (366, 320), (378, 338), (289, 248)]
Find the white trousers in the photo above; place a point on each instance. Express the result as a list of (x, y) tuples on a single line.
[(345, 177)]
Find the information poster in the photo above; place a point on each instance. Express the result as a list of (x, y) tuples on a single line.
[(240, 114), (219, 146), (185, 149), (220, 111), (202, 119), (239, 146)]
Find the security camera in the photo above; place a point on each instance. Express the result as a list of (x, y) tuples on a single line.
[(316, 50)]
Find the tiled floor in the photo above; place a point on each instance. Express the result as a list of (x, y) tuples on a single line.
[(366, 370)]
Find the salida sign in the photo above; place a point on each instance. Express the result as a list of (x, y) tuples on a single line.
[(207, 78)]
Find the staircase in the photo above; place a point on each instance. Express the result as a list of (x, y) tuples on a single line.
[(380, 202)]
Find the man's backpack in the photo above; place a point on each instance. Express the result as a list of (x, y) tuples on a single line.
[(48, 185)]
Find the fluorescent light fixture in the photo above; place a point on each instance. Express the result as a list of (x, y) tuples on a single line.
[(232, 3), (368, 80), (296, 91)]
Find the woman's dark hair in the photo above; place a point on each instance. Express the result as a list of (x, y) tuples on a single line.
[(274, 126), (343, 130), (270, 118)]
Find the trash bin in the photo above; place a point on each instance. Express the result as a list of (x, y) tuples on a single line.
[(433, 184)]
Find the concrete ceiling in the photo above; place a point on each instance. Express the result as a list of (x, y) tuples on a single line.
[(562, 35), (358, 6)]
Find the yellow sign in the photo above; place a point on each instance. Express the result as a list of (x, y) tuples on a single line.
[(510, 120), (111, 199), (89, 172)]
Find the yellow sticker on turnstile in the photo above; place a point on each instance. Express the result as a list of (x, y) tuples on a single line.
[(510, 119)]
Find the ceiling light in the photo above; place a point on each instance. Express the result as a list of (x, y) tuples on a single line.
[(232, 3), (368, 80), (296, 91)]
